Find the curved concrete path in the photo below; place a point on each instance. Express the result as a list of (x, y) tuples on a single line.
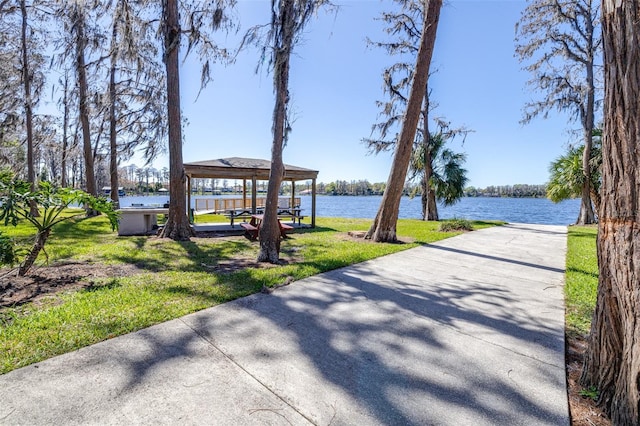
[(468, 331)]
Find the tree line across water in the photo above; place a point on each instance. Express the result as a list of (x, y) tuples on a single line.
[(364, 187)]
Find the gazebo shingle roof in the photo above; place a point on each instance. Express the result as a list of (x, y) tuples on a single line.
[(243, 168)]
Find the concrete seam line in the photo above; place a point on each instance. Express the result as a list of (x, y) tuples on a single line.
[(264, 385), (504, 347)]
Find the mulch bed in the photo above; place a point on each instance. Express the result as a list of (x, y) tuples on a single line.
[(583, 409), (48, 280)]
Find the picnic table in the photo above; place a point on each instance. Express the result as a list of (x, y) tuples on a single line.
[(238, 213), (293, 212), (252, 228)]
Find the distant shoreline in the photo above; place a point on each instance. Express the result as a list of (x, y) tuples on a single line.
[(228, 194)]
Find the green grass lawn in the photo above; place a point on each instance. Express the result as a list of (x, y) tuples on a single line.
[(581, 279), (174, 279)]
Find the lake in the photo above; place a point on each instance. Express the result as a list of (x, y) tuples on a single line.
[(516, 210)]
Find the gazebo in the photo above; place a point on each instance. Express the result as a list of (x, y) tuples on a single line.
[(253, 170)]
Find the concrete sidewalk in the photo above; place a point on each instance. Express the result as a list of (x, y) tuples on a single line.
[(468, 331)]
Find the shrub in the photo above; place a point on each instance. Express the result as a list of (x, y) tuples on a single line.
[(453, 225)]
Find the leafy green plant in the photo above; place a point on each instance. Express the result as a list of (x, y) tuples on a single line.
[(452, 225), (8, 254), (16, 200), (591, 392)]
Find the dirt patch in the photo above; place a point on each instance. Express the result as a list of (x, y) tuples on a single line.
[(240, 262), (235, 265), (360, 236), (47, 280), (583, 409)]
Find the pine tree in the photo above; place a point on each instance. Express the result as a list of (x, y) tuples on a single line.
[(383, 228), (613, 355)]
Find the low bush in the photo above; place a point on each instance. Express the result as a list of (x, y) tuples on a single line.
[(455, 225)]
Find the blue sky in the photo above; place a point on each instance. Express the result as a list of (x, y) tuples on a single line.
[(336, 79)]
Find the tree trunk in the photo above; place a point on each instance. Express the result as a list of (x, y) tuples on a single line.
[(113, 145), (177, 225), (430, 209), (424, 195), (270, 229), (38, 245), (429, 206), (432, 206), (383, 228), (28, 107), (613, 356), (83, 107), (65, 127), (586, 215), (595, 197)]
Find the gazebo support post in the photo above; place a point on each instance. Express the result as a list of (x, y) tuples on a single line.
[(189, 215), (313, 202), (254, 194), (244, 193)]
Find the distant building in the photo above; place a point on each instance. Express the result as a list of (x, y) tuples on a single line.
[(106, 190)]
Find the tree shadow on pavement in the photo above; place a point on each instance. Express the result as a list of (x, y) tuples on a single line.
[(392, 352), (369, 345)]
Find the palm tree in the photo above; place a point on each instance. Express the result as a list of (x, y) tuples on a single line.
[(17, 199), (567, 176), (440, 172)]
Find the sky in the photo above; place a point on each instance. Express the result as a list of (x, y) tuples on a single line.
[(336, 79)]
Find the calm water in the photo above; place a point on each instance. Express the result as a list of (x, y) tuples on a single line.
[(518, 210)]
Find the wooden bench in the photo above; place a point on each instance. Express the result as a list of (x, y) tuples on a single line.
[(250, 231), (284, 228)]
